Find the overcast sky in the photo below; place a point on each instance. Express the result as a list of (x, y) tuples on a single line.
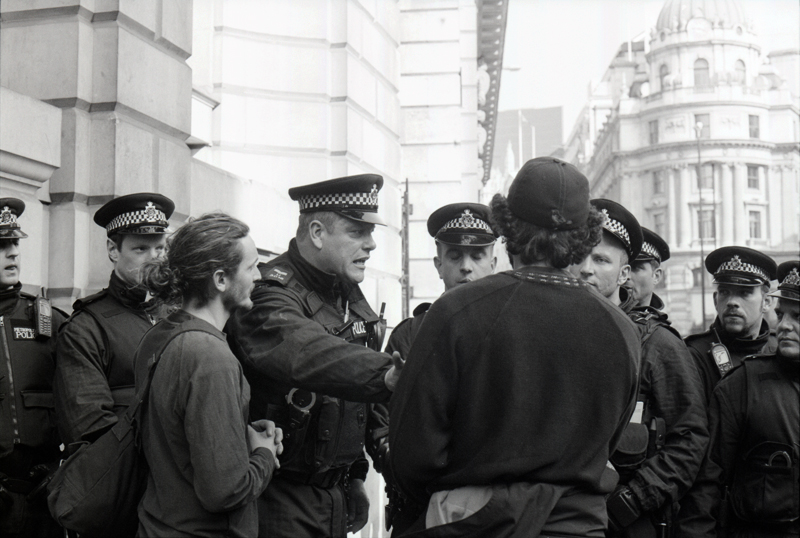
[(561, 45)]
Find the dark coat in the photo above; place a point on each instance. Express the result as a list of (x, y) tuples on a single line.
[(526, 376)]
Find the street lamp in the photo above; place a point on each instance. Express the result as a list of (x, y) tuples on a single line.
[(698, 129)]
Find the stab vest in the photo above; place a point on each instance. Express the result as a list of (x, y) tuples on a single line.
[(122, 329), (764, 487), (26, 380), (330, 436)]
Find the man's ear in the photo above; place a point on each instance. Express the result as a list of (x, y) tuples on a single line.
[(658, 274), (714, 297), (437, 262), (220, 280), (494, 263), (316, 232), (624, 274), (766, 303), (113, 251)]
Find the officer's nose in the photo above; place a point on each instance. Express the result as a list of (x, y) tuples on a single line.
[(369, 243), (12, 251), (467, 265), (784, 325)]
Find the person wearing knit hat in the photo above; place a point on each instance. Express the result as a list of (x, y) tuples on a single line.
[(500, 343), (310, 348), (94, 374), (754, 423), (29, 445)]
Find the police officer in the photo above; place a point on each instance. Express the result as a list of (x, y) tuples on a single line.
[(309, 348), (464, 253), (663, 446), (94, 381), (749, 487), (510, 401), (29, 443), (647, 273)]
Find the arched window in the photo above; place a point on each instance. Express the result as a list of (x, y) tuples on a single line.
[(701, 77), (739, 72), (662, 75)]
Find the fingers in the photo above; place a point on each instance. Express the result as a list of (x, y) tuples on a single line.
[(398, 360)]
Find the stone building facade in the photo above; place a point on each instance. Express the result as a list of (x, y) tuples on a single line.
[(695, 129)]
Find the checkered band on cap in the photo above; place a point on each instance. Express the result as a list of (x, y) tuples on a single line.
[(344, 200), (736, 264), (149, 215), (649, 250), (466, 221), (792, 278), (617, 228), (7, 217)]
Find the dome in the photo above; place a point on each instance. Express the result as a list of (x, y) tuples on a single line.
[(676, 13)]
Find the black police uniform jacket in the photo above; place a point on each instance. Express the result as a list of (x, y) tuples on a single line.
[(293, 338), (700, 348), (524, 380), (754, 452), (669, 389), (94, 381)]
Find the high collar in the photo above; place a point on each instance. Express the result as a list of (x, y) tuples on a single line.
[(131, 297), (313, 278), (626, 300), (9, 297), (748, 345), (656, 302)]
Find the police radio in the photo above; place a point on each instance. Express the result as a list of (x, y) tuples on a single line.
[(721, 356), (43, 313)]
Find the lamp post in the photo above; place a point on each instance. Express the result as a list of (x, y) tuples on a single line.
[(698, 129)]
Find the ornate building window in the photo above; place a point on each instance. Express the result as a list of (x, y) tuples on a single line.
[(739, 73), (755, 224), (658, 182), (659, 224), (705, 119), (752, 177), (755, 132), (701, 77), (705, 222), (654, 132), (663, 71)]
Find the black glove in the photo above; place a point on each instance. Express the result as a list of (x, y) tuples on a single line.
[(623, 508), (42, 474)]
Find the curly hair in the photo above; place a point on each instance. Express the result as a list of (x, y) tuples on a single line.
[(198, 249), (532, 243)]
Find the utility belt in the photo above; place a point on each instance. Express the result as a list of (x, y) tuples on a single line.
[(766, 485), (325, 480), (639, 442)]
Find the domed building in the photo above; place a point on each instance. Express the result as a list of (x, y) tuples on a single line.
[(695, 129)]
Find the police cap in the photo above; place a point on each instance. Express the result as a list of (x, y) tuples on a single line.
[(140, 213), (741, 266), (621, 223), (463, 224), (10, 209), (653, 247), (354, 197), (550, 193), (789, 281)]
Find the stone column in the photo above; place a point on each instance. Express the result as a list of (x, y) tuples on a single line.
[(120, 78), (791, 225), (740, 218), (672, 218), (726, 194), (685, 210)]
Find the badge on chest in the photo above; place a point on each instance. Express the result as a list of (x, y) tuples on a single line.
[(22, 331)]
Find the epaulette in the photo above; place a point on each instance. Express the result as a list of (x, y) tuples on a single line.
[(279, 274), (80, 303), (421, 309), (697, 336)]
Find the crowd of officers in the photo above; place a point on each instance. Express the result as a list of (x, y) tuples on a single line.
[(554, 399)]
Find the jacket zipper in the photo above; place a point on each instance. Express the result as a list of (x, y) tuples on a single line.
[(12, 394)]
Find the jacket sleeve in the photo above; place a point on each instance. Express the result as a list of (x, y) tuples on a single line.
[(83, 400), (421, 408), (277, 340), (675, 396), (226, 475)]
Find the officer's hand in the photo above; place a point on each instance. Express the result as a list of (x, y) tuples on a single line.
[(357, 506), (264, 433), (393, 375), (623, 508)]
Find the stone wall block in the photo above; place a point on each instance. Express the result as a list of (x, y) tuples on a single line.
[(361, 85), (140, 65), (144, 13), (430, 90), (176, 25), (135, 159), (76, 165), (52, 48), (436, 125), (173, 173), (295, 18), (105, 62), (357, 26), (424, 58), (429, 24), (432, 163), (387, 107)]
